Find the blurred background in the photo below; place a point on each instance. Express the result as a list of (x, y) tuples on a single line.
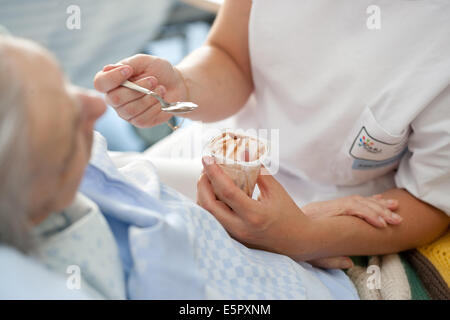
[(85, 35)]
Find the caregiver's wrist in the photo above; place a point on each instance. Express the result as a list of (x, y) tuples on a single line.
[(288, 237), (182, 85), (309, 240), (296, 241)]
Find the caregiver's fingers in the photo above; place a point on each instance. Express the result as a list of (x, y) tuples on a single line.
[(332, 263), (206, 198), (109, 67), (105, 81), (136, 107), (357, 207), (226, 190), (146, 111), (122, 95), (141, 62), (391, 204), (389, 216)]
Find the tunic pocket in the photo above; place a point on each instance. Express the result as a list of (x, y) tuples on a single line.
[(369, 151)]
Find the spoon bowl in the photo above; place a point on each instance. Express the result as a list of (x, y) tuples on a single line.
[(170, 107)]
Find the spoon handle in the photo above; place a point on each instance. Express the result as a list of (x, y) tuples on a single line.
[(134, 86)]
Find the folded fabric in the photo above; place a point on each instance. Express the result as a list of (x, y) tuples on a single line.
[(383, 279), (419, 274), (432, 265)]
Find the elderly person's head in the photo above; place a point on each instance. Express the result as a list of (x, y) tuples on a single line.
[(46, 129)]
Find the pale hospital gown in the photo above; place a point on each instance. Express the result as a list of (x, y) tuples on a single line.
[(80, 237)]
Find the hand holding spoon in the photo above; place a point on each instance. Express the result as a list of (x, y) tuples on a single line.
[(174, 107)]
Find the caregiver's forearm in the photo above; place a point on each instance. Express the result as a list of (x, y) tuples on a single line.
[(345, 235), (215, 83)]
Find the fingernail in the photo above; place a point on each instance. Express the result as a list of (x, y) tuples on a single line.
[(125, 71), (391, 202), (152, 82), (382, 221), (109, 67), (397, 217), (208, 160), (161, 90)]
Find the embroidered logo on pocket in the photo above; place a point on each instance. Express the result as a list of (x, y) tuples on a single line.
[(368, 144), (371, 153)]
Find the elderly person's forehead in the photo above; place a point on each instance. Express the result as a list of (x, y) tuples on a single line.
[(45, 94), (30, 60)]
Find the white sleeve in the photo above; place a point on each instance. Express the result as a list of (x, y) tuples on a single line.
[(425, 170)]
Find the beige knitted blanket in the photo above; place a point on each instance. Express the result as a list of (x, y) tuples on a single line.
[(383, 279)]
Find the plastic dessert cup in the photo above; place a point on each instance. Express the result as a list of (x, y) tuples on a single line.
[(240, 157)]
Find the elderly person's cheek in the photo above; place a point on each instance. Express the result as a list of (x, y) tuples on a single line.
[(70, 180), (42, 196)]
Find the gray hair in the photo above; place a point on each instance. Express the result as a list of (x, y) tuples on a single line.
[(14, 165)]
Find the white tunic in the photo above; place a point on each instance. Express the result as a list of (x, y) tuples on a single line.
[(359, 110), (353, 103)]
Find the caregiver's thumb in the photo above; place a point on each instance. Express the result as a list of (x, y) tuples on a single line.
[(266, 182), (111, 77)]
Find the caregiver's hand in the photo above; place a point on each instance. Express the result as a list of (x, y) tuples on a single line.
[(149, 72), (272, 222), (264, 224), (375, 210)]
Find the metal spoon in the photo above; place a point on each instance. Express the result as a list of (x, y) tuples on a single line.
[(174, 107)]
